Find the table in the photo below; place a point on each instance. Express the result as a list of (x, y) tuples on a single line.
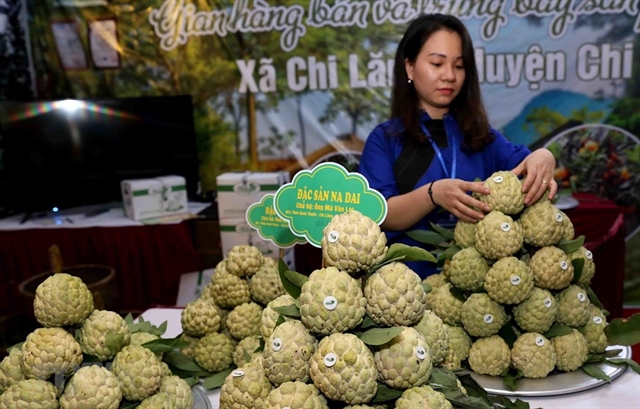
[(622, 393), (148, 259)]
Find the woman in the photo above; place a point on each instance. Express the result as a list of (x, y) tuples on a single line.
[(438, 142)]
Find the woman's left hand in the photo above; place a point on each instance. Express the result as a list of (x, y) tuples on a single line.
[(539, 167)]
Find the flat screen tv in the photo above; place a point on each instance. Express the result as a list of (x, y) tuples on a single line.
[(70, 153)]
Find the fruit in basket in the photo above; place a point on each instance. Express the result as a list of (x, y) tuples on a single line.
[(214, 352), (10, 370), (538, 312), (593, 331), (103, 334), (353, 243), (551, 268), (571, 349), (270, 316), (498, 236), (534, 355), (244, 320), (158, 401), (245, 388), (509, 281), (331, 301), (573, 306), (50, 351), (468, 269), (200, 317), (490, 356), (62, 299), (542, 224), (139, 372), (422, 397), (506, 193), (91, 387), (178, 390), (30, 393), (481, 316), (243, 260), (405, 361), (395, 296), (296, 395), (287, 352), (265, 285), (228, 290), (432, 328), (344, 369)]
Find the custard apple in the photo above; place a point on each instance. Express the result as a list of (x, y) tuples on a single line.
[(30, 394), (459, 347), (432, 328), (331, 301), (481, 316), (464, 234), (446, 305), (538, 312), (490, 356), (158, 401), (509, 281), (404, 361), (468, 269), (228, 290), (244, 320), (343, 368), (435, 280), (573, 307), (533, 354), (589, 268), (266, 285), (296, 395), (139, 372), (245, 388), (424, 397), (49, 351), (551, 268), (287, 352), (498, 236), (178, 390), (542, 224), (270, 316), (200, 317), (593, 331), (10, 370), (189, 350), (95, 330), (141, 338), (62, 299), (395, 296), (246, 350), (568, 231), (244, 260), (505, 193), (571, 349), (214, 352), (91, 387), (353, 242)]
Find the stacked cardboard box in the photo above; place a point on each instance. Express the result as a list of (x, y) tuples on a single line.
[(148, 198)]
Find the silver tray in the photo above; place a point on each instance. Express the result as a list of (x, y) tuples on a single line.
[(200, 398), (556, 384)]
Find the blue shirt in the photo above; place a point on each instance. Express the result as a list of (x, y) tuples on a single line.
[(384, 145)]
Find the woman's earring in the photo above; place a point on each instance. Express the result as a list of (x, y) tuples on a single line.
[(409, 80)]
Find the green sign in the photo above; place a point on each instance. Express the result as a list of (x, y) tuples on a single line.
[(314, 196), (263, 218)]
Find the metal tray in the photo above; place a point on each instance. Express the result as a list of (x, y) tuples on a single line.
[(555, 384), (200, 398)]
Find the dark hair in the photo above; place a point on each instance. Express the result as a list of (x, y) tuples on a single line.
[(467, 108)]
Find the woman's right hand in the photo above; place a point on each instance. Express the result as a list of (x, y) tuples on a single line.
[(453, 196)]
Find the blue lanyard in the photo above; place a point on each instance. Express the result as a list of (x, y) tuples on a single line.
[(439, 154)]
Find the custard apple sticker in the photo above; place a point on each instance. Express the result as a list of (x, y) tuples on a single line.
[(262, 217), (314, 196)]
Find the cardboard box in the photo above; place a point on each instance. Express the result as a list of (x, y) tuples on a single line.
[(235, 232), (174, 194), (142, 198), (192, 285), (237, 191)]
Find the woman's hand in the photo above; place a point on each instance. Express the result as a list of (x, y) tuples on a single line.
[(451, 194), (539, 167)]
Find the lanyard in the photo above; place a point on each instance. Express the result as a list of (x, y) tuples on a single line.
[(439, 154)]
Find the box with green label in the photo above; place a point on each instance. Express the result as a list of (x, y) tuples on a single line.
[(237, 191), (235, 232), (148, 198), (174, 194)]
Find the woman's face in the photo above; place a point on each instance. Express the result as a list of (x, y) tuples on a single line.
[(438, 72)]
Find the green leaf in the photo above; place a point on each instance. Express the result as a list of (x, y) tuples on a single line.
[(446, 233), (403, 252), (459, 294), (281, 320), (510, 380), (159, 331), (621, 331), (569, 246), (508, 334), (125, 404), (128, 319), (89, 358), (16, 346), (632, 364), (216, 380), (460, 400), (288, 310), (427, 288), (610, 353), (557, 330), (385, 394), (162, 345), (292, 289), (507, 403), (296, 278), (594, 371), (443, 378), (449, 253), (367, 322), (181, 361), (191, 381), (426, 237), (594, 299), (113, 341), (578, 266), (379, 336), (245, 356)]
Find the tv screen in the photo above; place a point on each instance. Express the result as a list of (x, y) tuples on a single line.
[(71, 153)]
